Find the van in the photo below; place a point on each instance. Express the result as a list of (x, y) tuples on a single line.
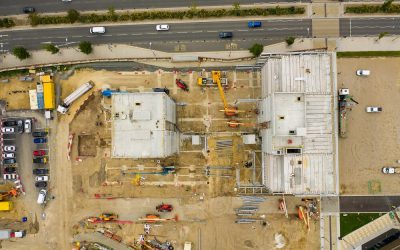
[(97, 30), (226, 34), (363, 72), (42, 196), (254, 24)]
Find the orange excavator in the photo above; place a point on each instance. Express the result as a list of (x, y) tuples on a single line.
[(229, 110), (13, 192)]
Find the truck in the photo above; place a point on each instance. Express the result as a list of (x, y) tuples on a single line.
[(49, 97), (63, 108), (8, 233), (6, 205)]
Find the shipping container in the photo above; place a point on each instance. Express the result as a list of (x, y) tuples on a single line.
[(49, 100), (6, 205)]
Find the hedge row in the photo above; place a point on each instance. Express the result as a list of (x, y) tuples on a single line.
[(367, 9), (6, 23), (369, 54), (36, 19)]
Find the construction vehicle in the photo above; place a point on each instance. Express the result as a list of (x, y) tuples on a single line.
[(209, 82), (8, 233), (153, 218), (108, 216), (13, 192), (181, 84), (164, 208), (236, 124), (229, 110), (63, 108)]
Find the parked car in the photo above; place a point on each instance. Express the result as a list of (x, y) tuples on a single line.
[(41, 184), (10, 170), (42, 196), (26, 79), (389, 170), (39, 153), (39, 140), (20, 126), (42, 160), (254, 24), (9, 123), (40, 171), (39, 134), (162, 27), (373, 109), (165, 90), (8, 155), (42, 178), (363, 72), (28, 10), (9, 161), (225, 35), (10, 177), (7, 130), (9, 148), (28, 125)]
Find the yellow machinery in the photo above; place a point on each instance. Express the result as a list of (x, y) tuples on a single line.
[(229, 110)]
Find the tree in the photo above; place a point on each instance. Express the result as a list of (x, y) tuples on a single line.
[(290, 40), (73, 15), (386, 5), (51, 48), (111, 13), (256, 49), (382, 34), (236, 6), (85, 47), (21, 53)]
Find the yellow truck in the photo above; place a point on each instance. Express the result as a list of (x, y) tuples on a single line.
[(6, 205), (48, 93)]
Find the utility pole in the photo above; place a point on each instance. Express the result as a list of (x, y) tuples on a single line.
[(152, 50)]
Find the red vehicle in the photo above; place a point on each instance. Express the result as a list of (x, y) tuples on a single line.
[(164, 208), (39, 153), (182, 85)]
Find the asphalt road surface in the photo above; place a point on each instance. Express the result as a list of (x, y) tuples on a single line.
[(369, 204), (12, 7), (369, 26), (191, 36)]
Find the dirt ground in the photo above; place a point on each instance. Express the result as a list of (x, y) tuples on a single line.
[(372, 138), (16, 93)]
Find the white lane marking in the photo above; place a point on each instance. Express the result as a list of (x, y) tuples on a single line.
[(121, 34), (211, 31), (182, 32), (300, 28), (199, 31), (76, 36), (106, 35), (373, 27), (242, 30)]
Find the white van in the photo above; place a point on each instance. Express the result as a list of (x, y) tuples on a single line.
[(363, 72), (97, 30), (42, 196)]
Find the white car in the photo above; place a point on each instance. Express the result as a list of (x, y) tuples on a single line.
[(8, 155), (10, 176), (28, 125), (363, 72), (9, 148), (66, 0), (42, 196), (373, 109), (162, 27), (7, 130), (388, 170), (42, 178)]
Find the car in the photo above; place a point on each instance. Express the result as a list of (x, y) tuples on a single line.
[(39, 140), (9, 123), (42, 178), (373, 109), (363, 72), (42, 196), (39, 134), (41, 184), (66, 1), (7, 130), (97, 30), (28, 10), (10, 170), (26, 79), (40, 171), (389, 170), (8, 155), (162, 27), (39, 153), (165, 90), (28, 125), (10, 177), (254, 24), (9, 161), (223, 35), (9, 148), (39, 160)]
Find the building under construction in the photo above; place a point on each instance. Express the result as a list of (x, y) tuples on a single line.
[(299, 143)]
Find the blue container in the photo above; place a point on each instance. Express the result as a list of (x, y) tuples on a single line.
[(24, 219)]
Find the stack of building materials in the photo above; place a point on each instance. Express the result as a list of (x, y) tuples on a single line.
[(247, 212)]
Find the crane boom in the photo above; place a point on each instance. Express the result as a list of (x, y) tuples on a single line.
[(216, 76)]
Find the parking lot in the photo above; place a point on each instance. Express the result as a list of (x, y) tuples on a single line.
[(372, 138)]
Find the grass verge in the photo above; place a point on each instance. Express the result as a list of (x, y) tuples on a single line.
[(368, 54), (353, 221)]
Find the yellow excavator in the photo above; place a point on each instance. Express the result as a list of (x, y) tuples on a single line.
[(229, 110)]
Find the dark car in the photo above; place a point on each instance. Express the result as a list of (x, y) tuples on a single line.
[(9, 123), (39, 140), (9, 161), (10, 170), (165, 90), (42, 160), (254, 24), (40, 171), (28, 10), (225, 35), (39, 134), (41, 184)]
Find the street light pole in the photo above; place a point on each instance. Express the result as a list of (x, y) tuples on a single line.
[(152, 50), (308, 32)]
